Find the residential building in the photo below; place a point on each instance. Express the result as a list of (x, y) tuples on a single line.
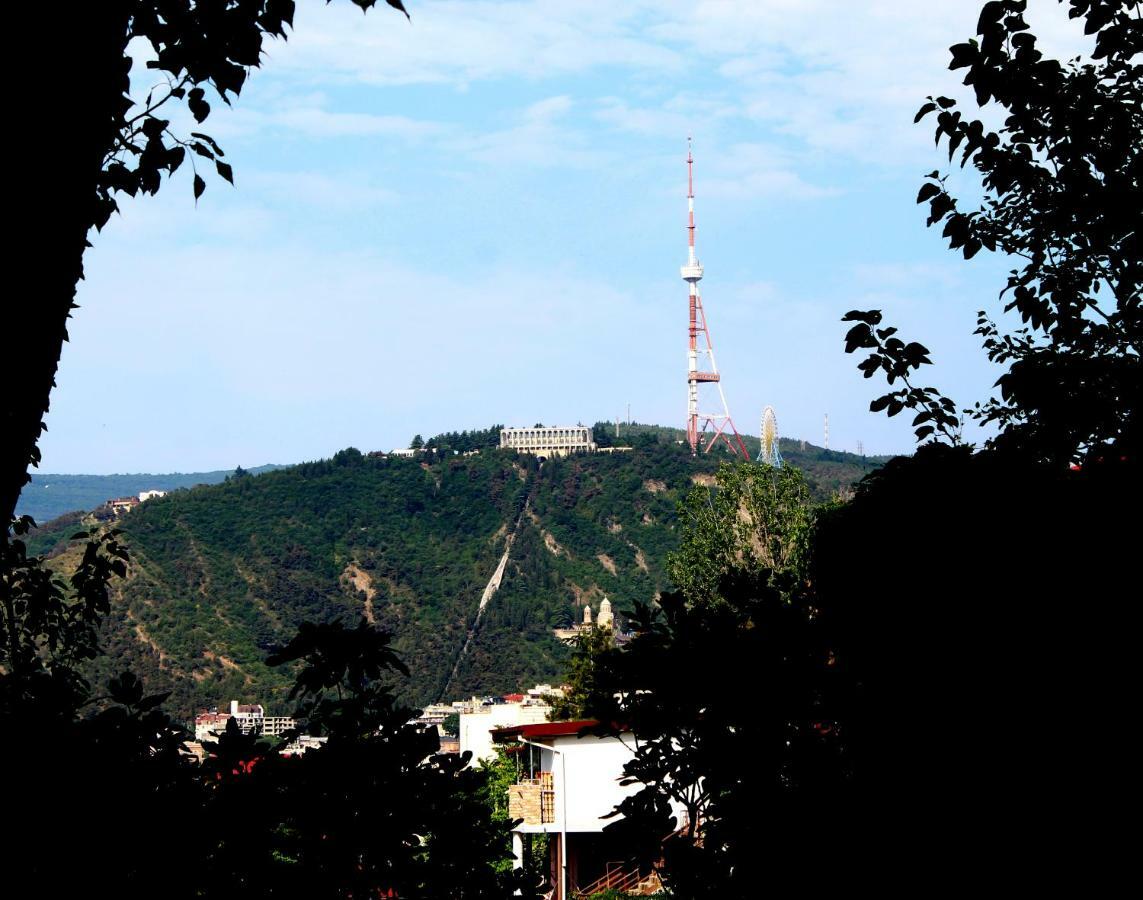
[(569, 784), (120, 505)]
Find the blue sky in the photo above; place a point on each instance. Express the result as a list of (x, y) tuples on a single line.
[(479, 217)]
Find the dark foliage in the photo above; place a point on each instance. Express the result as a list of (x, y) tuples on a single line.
[(375, 810), (107, 800), (944, 677), (934, 704), (88, 776), (979, 605), (1063, 195), (753, 757), (734, 693)]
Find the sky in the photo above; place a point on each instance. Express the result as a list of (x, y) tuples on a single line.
[(478, 217)]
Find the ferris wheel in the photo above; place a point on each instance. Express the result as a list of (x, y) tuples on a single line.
[(769, 452)]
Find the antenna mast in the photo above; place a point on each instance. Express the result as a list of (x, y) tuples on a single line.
[(713, 417)]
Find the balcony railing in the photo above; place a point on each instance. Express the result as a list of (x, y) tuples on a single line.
[(533, 800)]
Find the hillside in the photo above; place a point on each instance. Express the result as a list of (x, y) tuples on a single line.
[(223, 573), (48, 496)]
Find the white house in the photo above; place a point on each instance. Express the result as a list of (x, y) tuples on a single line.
[(569, 782)]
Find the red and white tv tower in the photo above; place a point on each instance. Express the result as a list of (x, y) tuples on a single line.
[(701, 400)]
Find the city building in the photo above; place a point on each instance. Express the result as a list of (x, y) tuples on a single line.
[(302, 744), (250, 718), (558, 440), (144, 496), (477, 724)]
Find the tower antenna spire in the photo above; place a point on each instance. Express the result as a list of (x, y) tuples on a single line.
[(707, 412)]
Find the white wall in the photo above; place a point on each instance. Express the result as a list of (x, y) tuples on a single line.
[(593, 766)]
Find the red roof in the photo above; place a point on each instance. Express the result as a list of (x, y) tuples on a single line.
[(543, 729), (513, 698)]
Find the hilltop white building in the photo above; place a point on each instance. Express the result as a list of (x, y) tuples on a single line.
[(558, 440)]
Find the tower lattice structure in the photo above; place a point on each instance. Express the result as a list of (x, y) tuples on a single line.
[(707, 412)]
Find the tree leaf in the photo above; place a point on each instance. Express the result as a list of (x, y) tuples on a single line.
[(927, 192)]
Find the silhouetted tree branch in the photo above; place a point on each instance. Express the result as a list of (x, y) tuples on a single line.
[(1063, 194), (101, 141)]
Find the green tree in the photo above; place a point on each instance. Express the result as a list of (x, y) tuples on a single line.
[(500, 773), (580, 678), (755, 518), (732, 690), (1062, 184), (109, 142)]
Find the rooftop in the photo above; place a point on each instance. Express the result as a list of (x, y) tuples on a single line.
[(541, 730)]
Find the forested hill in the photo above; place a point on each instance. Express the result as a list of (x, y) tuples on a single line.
[(48, 496), (223, 573)]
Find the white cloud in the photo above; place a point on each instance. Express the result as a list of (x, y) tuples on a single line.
[(757, 170), (682, 114), (332, 192), (842, 77), (899, 276), (539, 138), (322, 123), (837, 78), (308, 116), (460, 41)]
